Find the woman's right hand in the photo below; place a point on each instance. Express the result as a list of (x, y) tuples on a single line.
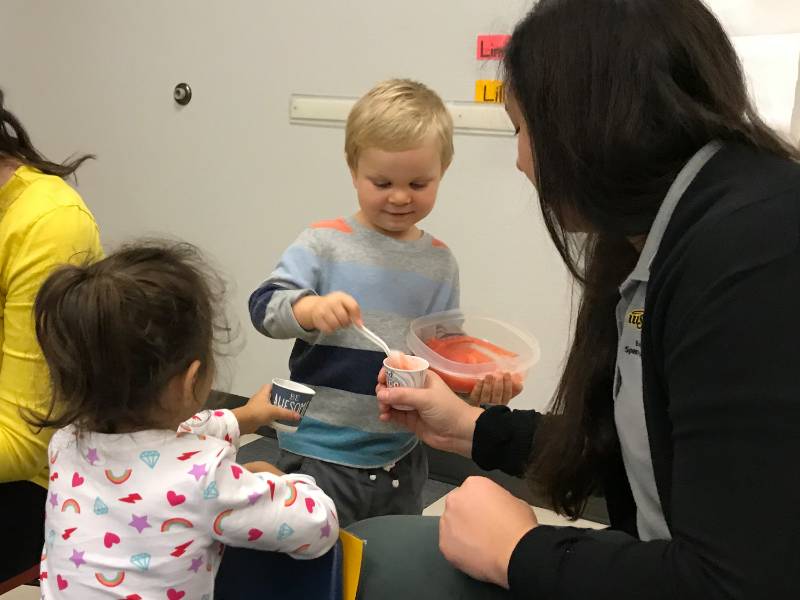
[(440, 418)]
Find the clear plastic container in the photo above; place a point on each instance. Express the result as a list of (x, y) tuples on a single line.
[(463, 348)]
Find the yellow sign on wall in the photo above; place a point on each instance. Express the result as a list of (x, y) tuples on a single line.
[(489, 90)]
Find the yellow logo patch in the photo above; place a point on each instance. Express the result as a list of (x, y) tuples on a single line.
[(636, 318)]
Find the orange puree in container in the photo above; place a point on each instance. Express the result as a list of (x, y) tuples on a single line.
[(465, 350)]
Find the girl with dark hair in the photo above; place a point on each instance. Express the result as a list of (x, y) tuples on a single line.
[(130, 345), (43, 223), (677, 210)]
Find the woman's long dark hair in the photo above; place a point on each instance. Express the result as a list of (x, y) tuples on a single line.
[(617, 95), (15, 143)]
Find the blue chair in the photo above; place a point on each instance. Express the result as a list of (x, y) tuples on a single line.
[(246, 573)]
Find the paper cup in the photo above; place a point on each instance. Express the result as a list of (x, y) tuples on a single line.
[(413, 376), (293, 396)]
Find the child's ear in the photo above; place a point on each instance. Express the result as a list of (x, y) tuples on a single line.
[(354, 176), (189, 382)]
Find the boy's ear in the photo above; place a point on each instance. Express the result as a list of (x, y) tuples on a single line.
[(445, 167), (353, 175)]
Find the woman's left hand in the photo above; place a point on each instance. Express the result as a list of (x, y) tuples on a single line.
[(480, 528)]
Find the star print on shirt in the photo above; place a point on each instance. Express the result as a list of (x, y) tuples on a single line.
[(325, 531), (198, 471), (77, 558), (196, 563), (139, 523)]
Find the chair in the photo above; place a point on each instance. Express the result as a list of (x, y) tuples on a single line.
[(246, 573)]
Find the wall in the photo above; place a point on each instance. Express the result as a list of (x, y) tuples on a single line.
[(229, 173)]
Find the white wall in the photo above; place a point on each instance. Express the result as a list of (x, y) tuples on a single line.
[(229, 173), (757, 17)]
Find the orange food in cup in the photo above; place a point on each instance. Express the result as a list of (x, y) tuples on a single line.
[(401, 361)]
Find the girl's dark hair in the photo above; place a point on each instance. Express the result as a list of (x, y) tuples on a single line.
[(617, 95), (16, 143), (114, 333)]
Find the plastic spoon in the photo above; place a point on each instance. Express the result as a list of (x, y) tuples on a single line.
[(376, 340)]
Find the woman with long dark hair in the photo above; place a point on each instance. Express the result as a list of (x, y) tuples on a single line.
[(677, 210), (43, 224)]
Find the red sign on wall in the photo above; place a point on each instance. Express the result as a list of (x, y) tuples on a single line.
[(490, 47)]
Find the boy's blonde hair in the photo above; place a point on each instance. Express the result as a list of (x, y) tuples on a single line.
[(397, 115)]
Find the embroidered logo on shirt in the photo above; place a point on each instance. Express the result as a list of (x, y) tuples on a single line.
[(636, 318)]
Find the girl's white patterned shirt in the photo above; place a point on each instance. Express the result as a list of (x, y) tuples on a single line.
[(146, 515)]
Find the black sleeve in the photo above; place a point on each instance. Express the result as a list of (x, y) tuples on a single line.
[(503, 439), (731, 368)]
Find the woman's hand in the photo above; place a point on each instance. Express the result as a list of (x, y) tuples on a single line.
[(480, 528), (259, 411), (440, 418), (499, 388)]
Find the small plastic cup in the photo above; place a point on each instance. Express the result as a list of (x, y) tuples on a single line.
[(412, 374), (293, 396)]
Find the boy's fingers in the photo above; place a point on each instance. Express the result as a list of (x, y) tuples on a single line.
[(351, 311), (330, 322), (341, 315), (354, 310)]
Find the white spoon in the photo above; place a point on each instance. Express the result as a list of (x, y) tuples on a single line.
[(376, 340)]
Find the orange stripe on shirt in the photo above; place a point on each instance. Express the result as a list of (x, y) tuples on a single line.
[(337, 224)]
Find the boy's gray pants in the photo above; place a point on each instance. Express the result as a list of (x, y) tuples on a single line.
[(363, 493)]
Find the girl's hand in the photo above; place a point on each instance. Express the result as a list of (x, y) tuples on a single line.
[(499, 388), (481, 526), (440, 418), (259, 411), (260, 466)]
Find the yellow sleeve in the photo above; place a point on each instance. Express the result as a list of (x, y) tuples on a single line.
[(64, 234)]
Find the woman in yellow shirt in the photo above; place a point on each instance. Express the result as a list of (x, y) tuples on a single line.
[(43, 224)]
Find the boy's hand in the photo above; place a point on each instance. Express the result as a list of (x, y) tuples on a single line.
[(496, 389), (259, 411), (327, 314)]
